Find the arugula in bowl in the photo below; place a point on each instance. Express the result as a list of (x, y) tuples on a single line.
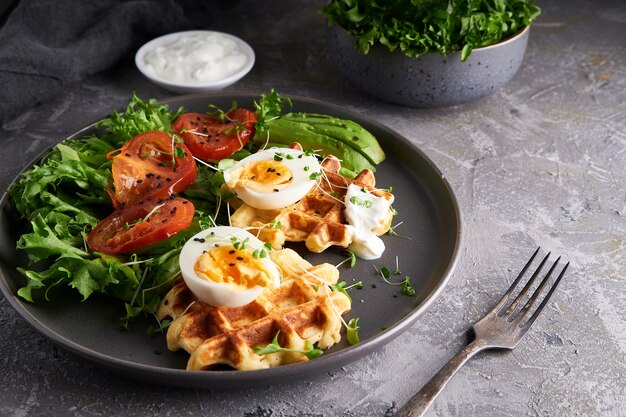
[(417, 27)]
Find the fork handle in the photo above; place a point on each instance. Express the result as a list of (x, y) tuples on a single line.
[(420, 402)]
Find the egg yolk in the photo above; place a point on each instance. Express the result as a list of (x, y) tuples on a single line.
[(262, 176), (228, 265)]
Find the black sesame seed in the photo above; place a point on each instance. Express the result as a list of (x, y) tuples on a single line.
[(199, 239), (239, 258), (231, 251)]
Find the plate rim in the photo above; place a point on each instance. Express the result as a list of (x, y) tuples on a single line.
[(185, 378)]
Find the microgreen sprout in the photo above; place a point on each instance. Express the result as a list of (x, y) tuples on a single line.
[(269, 108), (338, 287), (343, 288), (310, 352), (152, 212), (260, 253), (162, 325), (275, 224), (239, 244), (405, 286), (206, 164), (350, 259), (352, 331), (392, 232)]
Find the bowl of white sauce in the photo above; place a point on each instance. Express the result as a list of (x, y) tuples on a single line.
[(195, 61)]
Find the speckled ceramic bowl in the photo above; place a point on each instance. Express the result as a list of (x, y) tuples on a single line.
[(431, 80)]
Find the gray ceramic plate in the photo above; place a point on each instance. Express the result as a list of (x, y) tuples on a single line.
[(425, 204)]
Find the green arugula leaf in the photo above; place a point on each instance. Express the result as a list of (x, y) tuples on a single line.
[(43, 242), (140, 116)]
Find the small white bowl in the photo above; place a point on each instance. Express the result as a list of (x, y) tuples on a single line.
[(191, 87)]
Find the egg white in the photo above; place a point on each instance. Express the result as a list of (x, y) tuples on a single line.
[(221, 294), (301, 166)]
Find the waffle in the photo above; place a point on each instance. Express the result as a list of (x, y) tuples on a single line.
[(317, 219), (303, 309)]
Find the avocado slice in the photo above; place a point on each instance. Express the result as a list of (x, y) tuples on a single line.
[(347, 131)]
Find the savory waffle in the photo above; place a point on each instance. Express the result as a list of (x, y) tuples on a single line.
[(317, 219), (303, 308)]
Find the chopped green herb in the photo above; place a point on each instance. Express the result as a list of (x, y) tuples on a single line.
[(360, 202)]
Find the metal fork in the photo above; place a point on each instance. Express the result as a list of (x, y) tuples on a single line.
[(501, 328)]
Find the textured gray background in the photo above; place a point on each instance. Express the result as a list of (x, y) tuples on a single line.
[(541, 162)]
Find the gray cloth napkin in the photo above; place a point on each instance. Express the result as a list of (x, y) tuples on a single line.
[(47, 44)]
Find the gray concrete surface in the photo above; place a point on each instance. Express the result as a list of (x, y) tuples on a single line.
[(541, 162)]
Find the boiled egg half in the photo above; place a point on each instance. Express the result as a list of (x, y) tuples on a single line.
[(273, 178), (227, 267)]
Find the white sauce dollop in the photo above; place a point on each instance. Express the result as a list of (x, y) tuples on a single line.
[(195, 58), (364, 211)]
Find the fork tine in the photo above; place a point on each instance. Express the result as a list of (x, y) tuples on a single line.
[(522, 312), (532, 318), (506, 295), (511, 308)]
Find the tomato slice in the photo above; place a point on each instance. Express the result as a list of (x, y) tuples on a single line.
[(152, 164), (211, 139), (134, 227)]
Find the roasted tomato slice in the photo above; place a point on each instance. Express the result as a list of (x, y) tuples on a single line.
[(152, 164), (211, 139), (134, 227)]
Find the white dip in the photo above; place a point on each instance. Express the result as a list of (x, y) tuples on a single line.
[(364, 211), (195, 58)]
